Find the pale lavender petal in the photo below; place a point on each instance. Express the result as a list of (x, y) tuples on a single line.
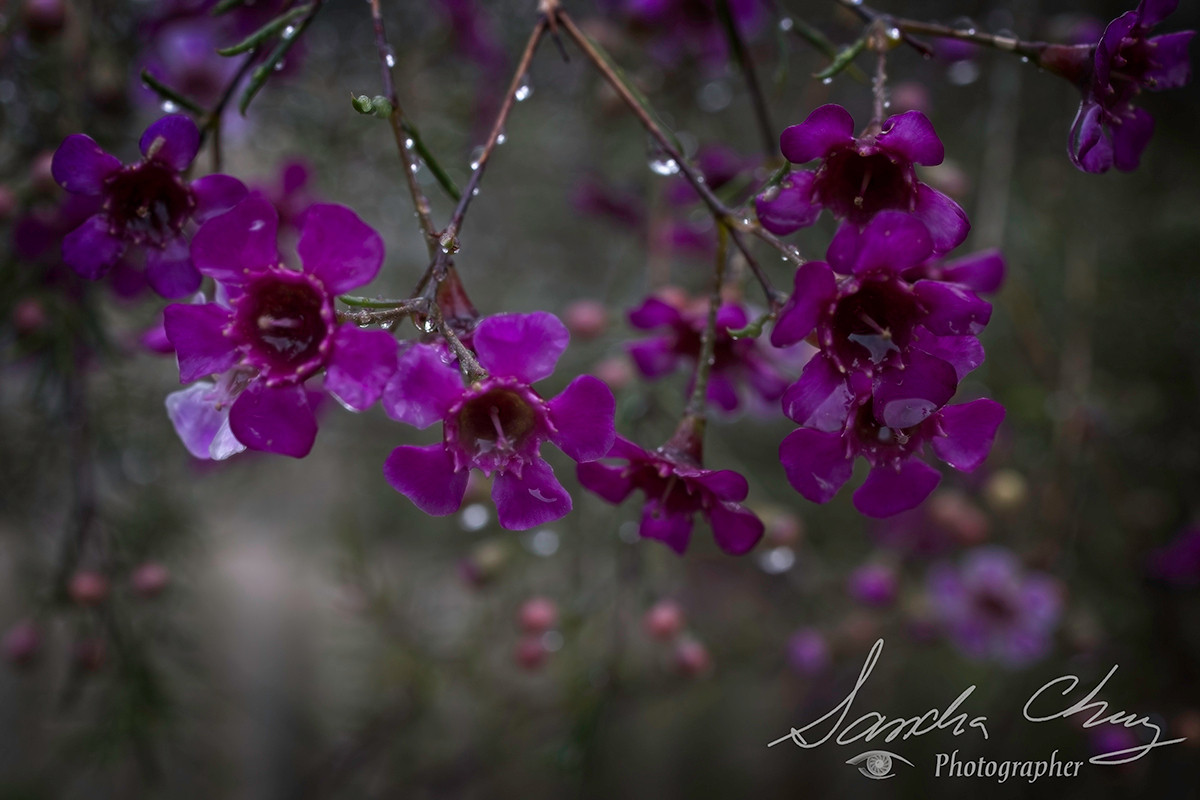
[(952, 310), (232, 246), (274, 419), (610, 483), (583, 418), (888, 491), (360, 366), (197, 332), (423, 389), (946, 221), (820, 398), (225, 444), (825, 128), (814, 287), (735, 528), (970, 429), (426, 476), (90, 249), (672, 529), (216, 194), (523, 346), (170, 271), (788, 207), (534, 498), (80, 165), (1130, 137), (911, 136), (196, 417), (341, 250), (907, 397), (816, 463), (174, 140)]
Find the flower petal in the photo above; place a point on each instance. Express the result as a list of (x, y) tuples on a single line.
[(816, 463), (1087, 145), (197, 332), (91, 250), (892, 241), (534, 498), (583, 417), (80, 165), (609, 482), (788, 207), (169, 271), (820, 398), (216, 194), (952, 310), (964, 353), (426, 476), (1130, 137), (945, 219), (653, 357), (1172, 68), (672, 529), (231, 246), (196, 417), (735, 528), (725, 484), (274, 419), (423, 388), (969, 430), (907, 397), (360, 366), (888, 491), (523, 346), (174, 140), (813, 288), (911, 136), (336, 246), (825, 128), (654, 313), (979, 272)]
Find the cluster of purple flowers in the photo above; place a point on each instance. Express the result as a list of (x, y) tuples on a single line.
[(897, 331)]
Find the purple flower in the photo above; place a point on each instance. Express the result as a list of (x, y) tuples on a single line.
[(497, 424), (873, 584), (144, 205), (817, 462), (994, 610), (1178, 561), (808, 652), (277, 329), (903, 344), (861, 176), (681, 28), (1108, 131), (737, 362), (676, 488)]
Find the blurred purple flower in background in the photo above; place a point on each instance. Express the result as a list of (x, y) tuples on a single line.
[(1178, 561)]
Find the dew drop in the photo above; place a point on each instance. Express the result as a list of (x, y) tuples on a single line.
[(279, 65), (476, 158), (501, 138), (168, 107), (524, 90), (289, 32), (409, 144), (786, 24), (826, 81), (389, 58), (664, 165)]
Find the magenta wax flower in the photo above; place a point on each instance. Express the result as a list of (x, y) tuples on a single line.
[(903, 345), (278, 329), (497, 424), (817, 463), (994, 610), (1108, 131), (738, 362), (861, 176), (145, 206), (676, 488)]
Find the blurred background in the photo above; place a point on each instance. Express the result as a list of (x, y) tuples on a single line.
[(272, 628)]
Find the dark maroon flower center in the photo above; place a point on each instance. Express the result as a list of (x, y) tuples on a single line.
[(285, 320), (857, 187), (499, 419), (879, 443), (148, 202), (871, 324)]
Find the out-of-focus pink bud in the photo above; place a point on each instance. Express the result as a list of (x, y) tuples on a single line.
[(664, 620)]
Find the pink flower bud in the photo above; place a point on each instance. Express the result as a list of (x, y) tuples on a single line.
[(530, 653), (664, 620), (88, 588), (22, 643), (149, 579), (586, 319), (538, 615), (692, 658), (616, 371)]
